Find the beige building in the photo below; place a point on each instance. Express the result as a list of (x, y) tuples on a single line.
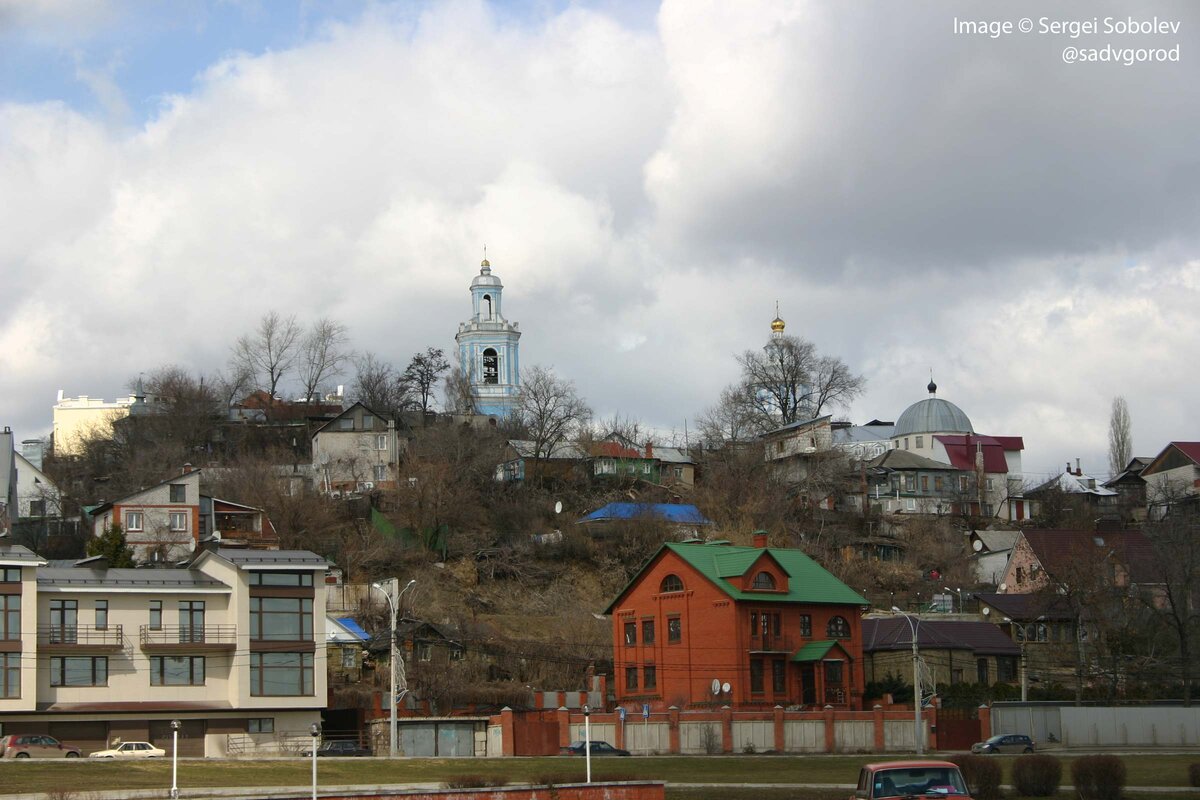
[(78, 418), (226, 645), (356, 451)]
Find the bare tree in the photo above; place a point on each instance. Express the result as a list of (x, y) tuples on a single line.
[(323, 352), (788, 381), (1120, 436), (1176, 567), (232, 383), (549, 409), (423, 373), (378, 386), (456, 391), (730, 420), (269, 352)]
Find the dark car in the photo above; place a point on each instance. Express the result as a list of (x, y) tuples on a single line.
[(338, 747), (35, 746), (1005, 743), (598, 749)]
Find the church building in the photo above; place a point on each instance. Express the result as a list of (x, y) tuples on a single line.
[(488, 348)]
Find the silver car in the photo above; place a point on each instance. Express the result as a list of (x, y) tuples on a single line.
[(1005, 743)]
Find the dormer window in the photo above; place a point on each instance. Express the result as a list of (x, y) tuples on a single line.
[(764, 581), (671, 583)]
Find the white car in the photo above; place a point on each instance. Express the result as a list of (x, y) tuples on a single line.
[(131, 750)]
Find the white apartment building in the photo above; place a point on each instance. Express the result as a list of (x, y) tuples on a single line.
[(227, 645)]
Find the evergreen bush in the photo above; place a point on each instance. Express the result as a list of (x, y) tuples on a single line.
[(1098, 777)]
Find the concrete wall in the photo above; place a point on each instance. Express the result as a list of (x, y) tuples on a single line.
[(1101, 726)]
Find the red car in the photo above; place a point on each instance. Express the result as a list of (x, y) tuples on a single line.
[(35, 746), (910, 779)]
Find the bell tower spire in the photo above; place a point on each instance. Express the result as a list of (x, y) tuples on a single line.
[(488, 347)]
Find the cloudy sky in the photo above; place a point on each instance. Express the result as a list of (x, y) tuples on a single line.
[(649, 181)]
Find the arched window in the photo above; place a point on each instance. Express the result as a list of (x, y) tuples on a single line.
[(491, 366), (487, 298), (838, 628), (671, 583), (764, 580)]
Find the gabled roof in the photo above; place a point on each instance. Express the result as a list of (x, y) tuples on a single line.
[(267, 559), (791, 426), (904, 459), (894, 633), (672, 455), (357, 404), (997, 541), (563, 450), (677, 513), (16, 554), (808, 582), (1071, 483), (1025, 607), (1132, 472), (1175, 454), (815, 651), (1058, 550), (961, 449), (171, 479)]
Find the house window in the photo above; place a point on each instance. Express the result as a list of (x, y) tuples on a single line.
[(806, 626), (988, 483), (1020, 575), (1006, 669), (910, 504), (178, 521), (368, 422), (381, 441), (281, 619), (281, 579), (678, 472), (491, 366), (937, 483), (156, 615), (756, 676), (671, 583), (838, 628), (631, 679), (456, 653), (905, 442), (260, 725), (348, 659), (835, 674), (674, 630), (191, 621), (648, 631), (176, 670), (78, 670), (424, 651), (910, 483), (178, 492), (778, 676), (10, 675), (764, 581), (133, 520), (380, 472), (10, 574), (347, 423), (281, 674), (920, 442), (101, 615), (981, 667), (10, 617), (37, 508), (630, 634), (924, 483), (962, 483), (956, 676), (649, 677), (64, 616), (988, 509)]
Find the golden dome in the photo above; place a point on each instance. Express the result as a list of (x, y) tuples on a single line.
[(777, 325), (485, 263)]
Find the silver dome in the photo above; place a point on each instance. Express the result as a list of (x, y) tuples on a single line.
[(933, 415)]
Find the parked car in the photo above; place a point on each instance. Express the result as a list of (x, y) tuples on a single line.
[(1006, 743), (339, 747), (910, 779), (131, 750), (35, 746), (598, 749)]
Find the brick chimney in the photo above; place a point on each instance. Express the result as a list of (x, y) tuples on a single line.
[(649, 449), (1078, 469), (760, 539), (186, 469)]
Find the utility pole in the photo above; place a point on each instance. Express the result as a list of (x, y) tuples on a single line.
[(916, 658), (393, 598)]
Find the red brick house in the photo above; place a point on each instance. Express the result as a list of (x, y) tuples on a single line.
[(706, 625)]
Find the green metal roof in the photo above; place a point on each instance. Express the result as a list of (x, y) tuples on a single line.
[(814, 651), (808, 582)]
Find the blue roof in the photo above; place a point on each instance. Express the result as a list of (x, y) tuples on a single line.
[(669, 512), (349, 624)]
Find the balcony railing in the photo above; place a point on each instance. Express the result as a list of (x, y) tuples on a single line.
[(835, 695), (80, 637), (769, 643), (189, 637)]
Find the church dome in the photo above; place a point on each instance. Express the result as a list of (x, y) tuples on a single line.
[(777, 325), (932, 415), (485, 276)]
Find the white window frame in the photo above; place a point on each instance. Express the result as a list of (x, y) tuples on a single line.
[(177, 515), (381, 441), (130, 516), (380, 472)]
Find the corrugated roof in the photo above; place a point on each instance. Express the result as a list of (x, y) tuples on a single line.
[(1189, 449), (351, 625), (672, 455), (252, 558), (808, 581), (165, 578), (1026, 607), (894, 633), (1059, 550), (961, 452), (678, 513)]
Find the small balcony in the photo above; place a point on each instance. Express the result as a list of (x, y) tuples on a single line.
[(836, 696), (80, 639), (768, 643), (188, 638)]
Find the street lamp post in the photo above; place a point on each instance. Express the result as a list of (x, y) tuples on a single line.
[(961, 607), (314, 731), (587, 740), (916, 658), (393, 598), (175, 726)]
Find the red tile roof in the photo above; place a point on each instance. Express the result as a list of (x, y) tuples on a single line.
[(960, 449), (1057, 550), (1189, 449)]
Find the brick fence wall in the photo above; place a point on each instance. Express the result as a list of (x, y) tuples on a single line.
[(625, 790)]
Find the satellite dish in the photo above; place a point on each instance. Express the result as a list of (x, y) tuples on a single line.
[(725, 687), (716, 686), (1003, 587), (976, 545), (985, 611), (558, 506)]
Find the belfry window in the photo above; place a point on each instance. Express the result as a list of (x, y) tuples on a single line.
[(487, 298), (491, 366)]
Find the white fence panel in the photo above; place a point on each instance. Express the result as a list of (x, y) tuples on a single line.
[(601, 732), (495, 741), (694, 736), (801, 736), (853, 736), (898, 735), (753, 737), (647, 737), (1155, 726)]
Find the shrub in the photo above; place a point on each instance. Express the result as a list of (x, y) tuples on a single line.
[(982, 775), (1194, 774), (473, 782), (1037, 776), (1098, 777)]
